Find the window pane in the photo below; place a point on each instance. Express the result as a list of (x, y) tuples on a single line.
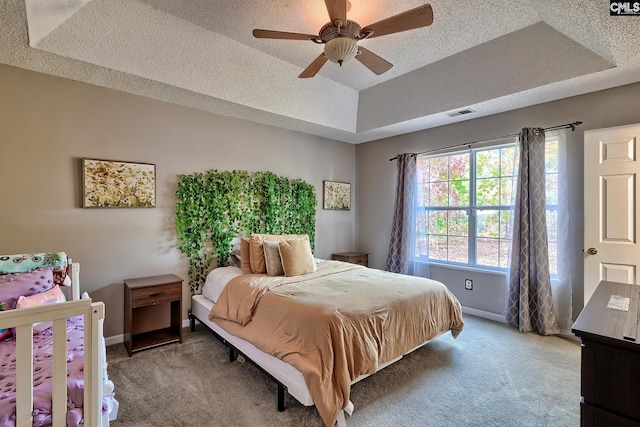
[(507, 191), (509, 161), (438, 247), (487, 163), (459, 193), (506, 227), (552, 225), (505, 248), (458, 223), (487, 191), (421, 222), (438, 222), (459, 249), (423, 169), (488, 223), (439, 170), (422, 247), (423, 195), (552, 188), (487, 252), (551, 156), (459, 166), (439, 194)]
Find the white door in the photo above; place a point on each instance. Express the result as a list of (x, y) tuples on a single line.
[(611, 194)]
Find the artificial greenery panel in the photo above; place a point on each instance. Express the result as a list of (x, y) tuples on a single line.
[(215, 207)]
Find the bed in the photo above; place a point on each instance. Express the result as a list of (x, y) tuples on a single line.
[(367, 319), (52, 351)]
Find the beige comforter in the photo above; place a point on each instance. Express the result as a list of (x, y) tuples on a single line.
[(337, 323)]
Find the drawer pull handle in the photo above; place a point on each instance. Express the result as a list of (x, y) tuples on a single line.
[(158, 294)]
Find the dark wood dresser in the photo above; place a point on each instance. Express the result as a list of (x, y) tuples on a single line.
[(361, 258), (610, 375)]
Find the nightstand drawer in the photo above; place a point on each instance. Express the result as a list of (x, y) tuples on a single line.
[(362, 260), (156, 294), (359, 258)]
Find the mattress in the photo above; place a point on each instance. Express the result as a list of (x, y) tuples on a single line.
[(42, 377)]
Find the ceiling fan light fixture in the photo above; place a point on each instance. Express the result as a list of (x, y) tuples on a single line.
[(341, 49)]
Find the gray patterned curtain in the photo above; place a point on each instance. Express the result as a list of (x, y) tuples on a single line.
[(530, 306), (402, 246)]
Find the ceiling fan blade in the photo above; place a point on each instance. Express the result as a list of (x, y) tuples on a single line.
[(372, 61), (415, 18), (337, 10), (314, 67), (269, 34)]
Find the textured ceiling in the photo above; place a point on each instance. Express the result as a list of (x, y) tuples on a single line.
[(490, 55)]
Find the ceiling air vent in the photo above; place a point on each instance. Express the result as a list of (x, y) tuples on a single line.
[(461, 112)]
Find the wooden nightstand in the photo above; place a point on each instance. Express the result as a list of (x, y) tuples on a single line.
[(361, 258), (152, 311)]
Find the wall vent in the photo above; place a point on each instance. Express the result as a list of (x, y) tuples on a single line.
[(461, 112)]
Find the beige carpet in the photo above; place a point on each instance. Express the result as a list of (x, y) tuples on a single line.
[(491, 375)]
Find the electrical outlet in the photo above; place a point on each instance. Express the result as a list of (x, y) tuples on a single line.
[(468, 284)]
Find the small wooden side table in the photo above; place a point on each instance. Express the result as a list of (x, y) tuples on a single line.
[(152, 312), (361, 258)]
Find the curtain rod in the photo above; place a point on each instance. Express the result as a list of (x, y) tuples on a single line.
[(571, 126)]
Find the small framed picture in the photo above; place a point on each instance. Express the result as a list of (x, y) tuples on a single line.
[(336, 195), (115, 184)]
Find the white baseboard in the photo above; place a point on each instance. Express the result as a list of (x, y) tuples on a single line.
[(118, 339), (187, 324), (502, 319), (485, 314), (568, 335)]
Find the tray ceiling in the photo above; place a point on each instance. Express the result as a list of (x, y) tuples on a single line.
[(490, 56)]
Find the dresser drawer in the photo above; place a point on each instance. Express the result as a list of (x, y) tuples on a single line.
[(156, 294)]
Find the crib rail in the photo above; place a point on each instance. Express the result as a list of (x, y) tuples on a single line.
[(23, 320)]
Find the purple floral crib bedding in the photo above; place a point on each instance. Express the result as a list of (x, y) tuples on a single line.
[(42, 375)]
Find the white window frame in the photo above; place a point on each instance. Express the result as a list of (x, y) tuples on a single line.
[(472, 211)]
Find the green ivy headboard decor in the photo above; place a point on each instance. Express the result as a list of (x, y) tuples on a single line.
[(215, 207)]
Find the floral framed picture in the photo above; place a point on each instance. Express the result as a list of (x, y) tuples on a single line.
[(115, 184), (336, 195)]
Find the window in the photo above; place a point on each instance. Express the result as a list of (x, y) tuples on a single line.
[(466, 203)]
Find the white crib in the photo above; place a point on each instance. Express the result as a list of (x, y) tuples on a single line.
[(96, 383)]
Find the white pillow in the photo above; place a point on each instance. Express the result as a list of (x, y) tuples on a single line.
[(272, 259), (217, 279)]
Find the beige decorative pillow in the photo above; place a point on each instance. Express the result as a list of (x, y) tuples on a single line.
[(245, 257), (296, 256), (256, 250), (272, 258)]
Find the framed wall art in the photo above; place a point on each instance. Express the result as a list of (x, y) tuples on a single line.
[(336, 195), (115, 184)]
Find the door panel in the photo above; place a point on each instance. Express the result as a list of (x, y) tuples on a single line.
[(618, 201), (611, 216), (618, 272)]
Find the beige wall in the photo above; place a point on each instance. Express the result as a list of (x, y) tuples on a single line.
[(47, 124), (376, 177)]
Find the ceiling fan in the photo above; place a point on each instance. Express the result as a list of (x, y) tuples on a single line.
[(340, 36)]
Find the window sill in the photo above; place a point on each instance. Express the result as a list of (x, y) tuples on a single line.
[(498, 272)]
